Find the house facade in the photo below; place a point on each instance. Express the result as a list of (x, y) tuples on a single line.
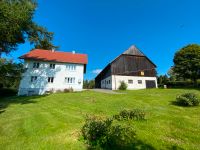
[(132, 67), (51, 71)]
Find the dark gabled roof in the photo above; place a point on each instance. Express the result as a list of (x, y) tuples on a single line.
[(133, 50)]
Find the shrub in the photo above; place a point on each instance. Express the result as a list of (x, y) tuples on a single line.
[(59, 91), (187, 99), (135, 114), (120, 137), (68, 90), (123, 86), (103, 133), (181, 84), (95, 129)]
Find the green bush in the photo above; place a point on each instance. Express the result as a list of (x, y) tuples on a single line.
[(181, 84), (123, 86), (101, 132), (187, 99), (68, 90), (120, 137), (135, 114), (94, 130)]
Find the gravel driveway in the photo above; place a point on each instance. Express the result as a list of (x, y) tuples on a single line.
[(106, 91)]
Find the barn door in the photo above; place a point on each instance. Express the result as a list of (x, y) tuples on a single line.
[(150, 84)]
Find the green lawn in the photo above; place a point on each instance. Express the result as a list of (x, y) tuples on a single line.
[(54, 121)]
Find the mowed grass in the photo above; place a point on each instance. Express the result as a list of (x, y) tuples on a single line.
[(54, 121)]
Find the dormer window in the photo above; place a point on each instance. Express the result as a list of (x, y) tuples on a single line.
[(36, 65), (52, 66)]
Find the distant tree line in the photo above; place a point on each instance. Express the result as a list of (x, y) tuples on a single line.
[(88, 84)]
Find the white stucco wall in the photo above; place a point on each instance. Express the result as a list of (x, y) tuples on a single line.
[(44, 71), (106, 83), (115, 81)]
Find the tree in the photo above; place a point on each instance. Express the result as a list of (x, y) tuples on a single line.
[(171, 74), (163, 79), (187, 62), (88, 84), (10, 73), (17, 26)]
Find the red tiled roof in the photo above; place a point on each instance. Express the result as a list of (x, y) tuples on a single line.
[(57, 56)]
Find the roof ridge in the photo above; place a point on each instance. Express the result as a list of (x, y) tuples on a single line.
[(133, 50), (57, 51)]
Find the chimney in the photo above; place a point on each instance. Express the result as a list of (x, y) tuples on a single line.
[(73, 52)]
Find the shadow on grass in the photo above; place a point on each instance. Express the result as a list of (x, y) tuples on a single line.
[(6, 101), (174, 147), (137, 145)]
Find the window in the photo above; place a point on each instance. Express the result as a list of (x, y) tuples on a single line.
[(33, 78), (70, 80), (52, 66), (130, 81), (142, 73), (71, 67), (36, 65), (139, 81), (108, 81), (50, 79)]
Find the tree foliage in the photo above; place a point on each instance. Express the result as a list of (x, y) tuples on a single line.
[(88, 84), (17, 26), (187, 62), (10, 73), (163, 79)]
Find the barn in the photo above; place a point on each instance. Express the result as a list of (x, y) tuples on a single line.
[(132, 67)]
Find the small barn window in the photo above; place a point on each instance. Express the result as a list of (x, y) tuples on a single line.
[(139, 81), (50, 79), (130, 81), (52, 66), (36, 65)]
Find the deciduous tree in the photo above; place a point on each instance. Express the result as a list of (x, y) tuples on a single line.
[(17, 26), (187, 62)]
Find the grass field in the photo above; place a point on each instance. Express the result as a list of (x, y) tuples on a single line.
[(54, 121)]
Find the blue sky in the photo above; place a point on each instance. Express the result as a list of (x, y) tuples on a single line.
[(103, 29)]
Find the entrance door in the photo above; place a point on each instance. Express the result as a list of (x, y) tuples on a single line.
[(150, 84)]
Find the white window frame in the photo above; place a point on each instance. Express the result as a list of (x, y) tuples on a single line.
[(71, 67), (130, 81), (70, 80), (52, 66), (33, 79), (36, 65), (50, 79)]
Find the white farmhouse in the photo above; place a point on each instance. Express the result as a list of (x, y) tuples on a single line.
[(132, 67), (49, 70)]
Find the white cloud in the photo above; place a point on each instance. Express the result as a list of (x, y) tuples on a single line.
[(96, 71)]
